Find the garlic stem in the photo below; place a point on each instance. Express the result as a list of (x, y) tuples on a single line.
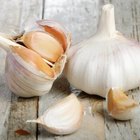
[(107, 21), (7, 43)]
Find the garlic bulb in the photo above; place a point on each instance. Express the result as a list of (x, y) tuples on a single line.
[(64, 117), (120, 106), (31, 69), (105, 60)]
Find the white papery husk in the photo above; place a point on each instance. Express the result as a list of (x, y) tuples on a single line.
[(26, 80), (62, 118), (105, 60)]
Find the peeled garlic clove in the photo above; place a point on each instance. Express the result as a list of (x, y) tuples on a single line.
[(64, 117), (120, 106), (106, 60), (58, 33), (44, 44), (34, 59)]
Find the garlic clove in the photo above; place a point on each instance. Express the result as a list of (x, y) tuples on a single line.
[(44, 44), (33, 59), (120, 106), (64, 117), (56, 32), (24, 79)]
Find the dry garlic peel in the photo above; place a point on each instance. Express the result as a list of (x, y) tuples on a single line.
[(64, 117), (55, 32), (44, 44), (105, 60), (120, 106), (27, 73)]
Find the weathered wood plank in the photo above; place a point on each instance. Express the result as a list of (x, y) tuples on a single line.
[(21, 111), (24, 109), (127, 17), (127, 21), (9, 22), (78, 17)]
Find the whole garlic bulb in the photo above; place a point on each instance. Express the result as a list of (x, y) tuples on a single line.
[(105, 60), (64, 117), (31, 69)]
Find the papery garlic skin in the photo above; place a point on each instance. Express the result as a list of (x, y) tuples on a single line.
[(50, 49), (62, 118), (29, 74), (24, 80), (105, 60), (120, 106)]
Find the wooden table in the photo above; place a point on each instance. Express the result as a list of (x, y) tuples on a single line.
[(81, 18)]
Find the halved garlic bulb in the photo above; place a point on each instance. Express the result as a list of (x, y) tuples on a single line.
[(64, 117), (105, 60), (120, 106), (31, 71)]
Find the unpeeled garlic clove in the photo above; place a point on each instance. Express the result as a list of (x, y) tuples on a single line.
[(44, 44), (64, 117), (120, 106)]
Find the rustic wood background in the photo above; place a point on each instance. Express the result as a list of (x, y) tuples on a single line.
[(81, 18)]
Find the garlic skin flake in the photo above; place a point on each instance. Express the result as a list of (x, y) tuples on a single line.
[(105, 60), (120, 106), (62, 118), (27, 72)]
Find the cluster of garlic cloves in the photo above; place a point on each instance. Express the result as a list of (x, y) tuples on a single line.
[(32, 68), (62, 118), (120, 106), (105, 60)]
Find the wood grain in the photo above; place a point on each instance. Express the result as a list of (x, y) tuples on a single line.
[(21, 111)]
